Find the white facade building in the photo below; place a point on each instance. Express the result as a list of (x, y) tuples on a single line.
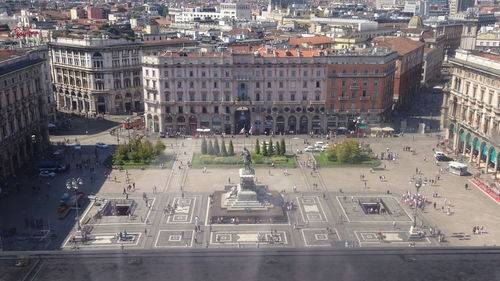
[(472, 108)]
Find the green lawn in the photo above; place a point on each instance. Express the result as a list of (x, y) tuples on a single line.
[(236, 161), (165, 158), (323, 161)]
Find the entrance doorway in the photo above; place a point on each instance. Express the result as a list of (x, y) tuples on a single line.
[(241, 119)]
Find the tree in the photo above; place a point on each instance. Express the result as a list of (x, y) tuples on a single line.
[(257, 147), (283, 147), (349, 152), (120, 154), (270, 149), (264, 149), (223, 150), (203, 146), (278, 148), (216, 147), (331, 153), (231, 148), (210, 149), (159, 146), (146, 151)]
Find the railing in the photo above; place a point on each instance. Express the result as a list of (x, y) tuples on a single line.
[(364, 98), (343, 98)]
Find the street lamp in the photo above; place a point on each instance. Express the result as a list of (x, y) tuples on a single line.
[(418, 184), (74, 183), (127, 121)]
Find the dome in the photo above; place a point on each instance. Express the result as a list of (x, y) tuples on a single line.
[(415, 22)]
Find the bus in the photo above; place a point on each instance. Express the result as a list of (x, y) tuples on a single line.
[(135, 123), (457, 168)]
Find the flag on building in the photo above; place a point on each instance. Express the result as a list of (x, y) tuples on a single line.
[(243, 131), (251, 130)]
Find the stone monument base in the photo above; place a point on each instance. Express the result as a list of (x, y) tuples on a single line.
[(218, 214)]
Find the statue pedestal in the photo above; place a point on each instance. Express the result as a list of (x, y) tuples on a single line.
[(247, 202)]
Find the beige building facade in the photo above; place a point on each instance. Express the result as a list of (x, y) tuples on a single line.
[(472, 108), (265, 92), (24, 98)]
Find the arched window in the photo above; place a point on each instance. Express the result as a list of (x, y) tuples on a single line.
[(118, 84), (137, 82)]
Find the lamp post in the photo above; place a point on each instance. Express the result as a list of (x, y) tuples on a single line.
[(418, 184), (127, 121), (74, 183)]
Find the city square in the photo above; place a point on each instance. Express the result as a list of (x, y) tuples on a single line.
[(332, 206)]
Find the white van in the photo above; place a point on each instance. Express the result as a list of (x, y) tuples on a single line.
[(457, 168)]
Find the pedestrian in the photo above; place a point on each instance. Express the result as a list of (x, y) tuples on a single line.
[(466, 186), (365, 184), (124, 191), (115, 178), (229, 180), (145, 231), (434, 205), (394, 224)]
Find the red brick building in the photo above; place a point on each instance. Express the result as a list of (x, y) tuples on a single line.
[(362, 86), (408, 68)]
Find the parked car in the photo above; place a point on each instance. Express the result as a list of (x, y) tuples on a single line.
[(163, 134), (78, 146), (47, 174), (101, 145), (311, 149), (441, 156)]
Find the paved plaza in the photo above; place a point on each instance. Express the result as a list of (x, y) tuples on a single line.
[(333, 207)]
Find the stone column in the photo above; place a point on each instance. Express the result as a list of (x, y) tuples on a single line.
[(487, 162)]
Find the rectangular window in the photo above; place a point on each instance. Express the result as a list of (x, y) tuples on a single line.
[(167, 85), (180, 109), (257, 85), (216, 85), (318, 84), (281, 84), (269, 85), (179, 85), (306, 73), (292, 97), (304, 84), (216, 109), (269, 73), (269, 96), (292, 84)]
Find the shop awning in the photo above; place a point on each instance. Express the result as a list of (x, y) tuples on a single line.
[(493, 158), (462, 136), (477, 145), (376, 129), (485, 150)]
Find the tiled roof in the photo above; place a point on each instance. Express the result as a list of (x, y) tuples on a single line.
[(315, 40), (486, 55), (7, 54), (165, 41), (402, 45)]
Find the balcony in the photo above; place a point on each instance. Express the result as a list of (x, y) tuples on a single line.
[(364, 98), (317, 102), (354, 87), (344, 98)]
